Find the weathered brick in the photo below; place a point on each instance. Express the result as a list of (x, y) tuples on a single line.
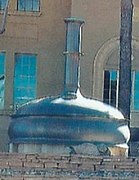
[(63, 165), (33, 178), (11, 178), (33, 165), (69, 178), (87, 166), (71, 165), (106, 167), (15, 163), (125, 166), (4, 164), (50, 165)]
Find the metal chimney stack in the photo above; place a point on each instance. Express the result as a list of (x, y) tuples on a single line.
[(73, 52)]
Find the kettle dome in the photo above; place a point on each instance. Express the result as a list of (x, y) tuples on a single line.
[(69, 119), (59, 106), (56, 120)]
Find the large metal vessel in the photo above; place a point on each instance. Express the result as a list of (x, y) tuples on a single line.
[(69, 119)]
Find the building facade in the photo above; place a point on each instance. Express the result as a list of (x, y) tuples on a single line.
[(32, 61)]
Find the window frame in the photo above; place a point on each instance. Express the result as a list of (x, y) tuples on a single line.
[(3, 5), (132, 89), (3, 74), (25, 9), (110, 90), (24, 77)]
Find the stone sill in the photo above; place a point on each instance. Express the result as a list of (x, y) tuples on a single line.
[(23, 13)]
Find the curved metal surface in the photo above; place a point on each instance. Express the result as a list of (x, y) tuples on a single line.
[(60, 121), (67, 130), (59, 106)]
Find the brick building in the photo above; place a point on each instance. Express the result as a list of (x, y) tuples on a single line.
[(31, 53)]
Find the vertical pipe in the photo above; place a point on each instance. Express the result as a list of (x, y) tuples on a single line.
[(124, 96), (72, 56), (4, 18)]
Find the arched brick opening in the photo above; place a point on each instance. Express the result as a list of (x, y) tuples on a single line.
[(99, 63)]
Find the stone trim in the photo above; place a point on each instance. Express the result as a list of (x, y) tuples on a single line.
[(99, 63)]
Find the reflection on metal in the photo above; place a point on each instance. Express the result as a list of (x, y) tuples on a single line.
[(69, 119), (56, 120)]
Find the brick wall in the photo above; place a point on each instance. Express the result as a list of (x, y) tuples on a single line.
[(43, 167)]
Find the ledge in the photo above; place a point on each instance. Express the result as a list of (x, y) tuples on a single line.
[(23, 13)]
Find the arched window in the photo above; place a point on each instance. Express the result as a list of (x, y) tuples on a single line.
[(111, 80)]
